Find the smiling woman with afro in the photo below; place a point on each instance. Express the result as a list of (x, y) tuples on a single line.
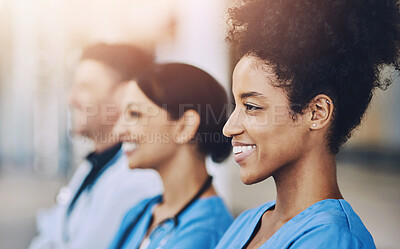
[(307, 73)]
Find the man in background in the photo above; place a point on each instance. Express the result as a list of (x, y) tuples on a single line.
[(89, 210)]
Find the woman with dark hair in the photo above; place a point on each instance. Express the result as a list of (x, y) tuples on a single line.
[(306, 76), (173, 120)]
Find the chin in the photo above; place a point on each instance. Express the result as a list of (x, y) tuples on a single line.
[(79, 134), (249, 179), (133, 165), (79, 131)]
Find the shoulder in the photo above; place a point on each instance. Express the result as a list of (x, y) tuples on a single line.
[(355, 225), (208, 215), (331, 223), (139, 208), (203, 224), (133, 214), (331, 235), (206, 210)]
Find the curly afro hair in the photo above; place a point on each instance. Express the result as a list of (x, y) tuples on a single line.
[(335, 47)]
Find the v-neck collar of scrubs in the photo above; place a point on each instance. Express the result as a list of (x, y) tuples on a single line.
[(267, 206), (166, 228), (144, 224)]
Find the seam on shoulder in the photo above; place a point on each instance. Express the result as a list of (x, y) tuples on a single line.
[(354, 236), (349, 225), (347, 216)]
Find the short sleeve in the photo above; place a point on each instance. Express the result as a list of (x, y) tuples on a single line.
[(328, 236)]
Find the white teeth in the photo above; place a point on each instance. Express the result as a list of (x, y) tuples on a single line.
[(240, 149), (126, 146)]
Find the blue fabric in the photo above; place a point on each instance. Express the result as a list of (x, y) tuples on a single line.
[(200, 226), (329, 224)]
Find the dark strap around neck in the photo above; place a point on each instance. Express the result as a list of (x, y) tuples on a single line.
[(99, 164), (206, 185)]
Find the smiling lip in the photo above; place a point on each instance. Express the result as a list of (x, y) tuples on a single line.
[(129, 148), (242, 151)]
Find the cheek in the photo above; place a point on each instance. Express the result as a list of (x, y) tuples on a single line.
[(86, 99), (151, 139), (112, 112), (157, 133), (282, 143), (157, 150), (80, 97)]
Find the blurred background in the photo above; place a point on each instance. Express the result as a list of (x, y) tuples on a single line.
[(41, 41)]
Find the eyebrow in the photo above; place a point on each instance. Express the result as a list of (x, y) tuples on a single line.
[(131, 104), (252, 94)]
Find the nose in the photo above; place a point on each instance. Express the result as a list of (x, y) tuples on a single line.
[(72, 97), (234, 125)]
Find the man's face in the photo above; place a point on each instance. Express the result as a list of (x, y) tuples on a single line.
[(92, 99)]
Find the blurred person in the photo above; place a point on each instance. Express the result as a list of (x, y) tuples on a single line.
[(90, 209), (305, 79), (172, 121)]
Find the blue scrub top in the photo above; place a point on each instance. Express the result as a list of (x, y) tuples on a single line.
[(200, 226), (329, 224)]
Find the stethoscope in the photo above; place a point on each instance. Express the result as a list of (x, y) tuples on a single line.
[(206, 185)]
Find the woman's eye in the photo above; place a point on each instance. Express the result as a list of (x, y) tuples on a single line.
[(250, 107), (133, 114)]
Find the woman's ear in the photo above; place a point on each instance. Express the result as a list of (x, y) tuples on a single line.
[(321, 109), (187, 127)]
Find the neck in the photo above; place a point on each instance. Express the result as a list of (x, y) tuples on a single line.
[(182, 177), (103, 142), (305, 182)]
